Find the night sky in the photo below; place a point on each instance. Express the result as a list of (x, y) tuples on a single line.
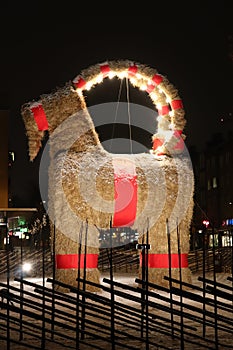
[(43, 48)]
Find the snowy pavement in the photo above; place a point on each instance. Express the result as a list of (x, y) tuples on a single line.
[(198, 327)]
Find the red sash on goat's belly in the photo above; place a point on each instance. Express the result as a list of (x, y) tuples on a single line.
[(125, 192)]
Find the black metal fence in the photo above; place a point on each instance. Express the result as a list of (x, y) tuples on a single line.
[(34, 315)]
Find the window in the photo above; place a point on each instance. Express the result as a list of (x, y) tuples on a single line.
[(215, 185)]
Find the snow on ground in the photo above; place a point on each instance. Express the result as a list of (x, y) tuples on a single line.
[(159, 334)]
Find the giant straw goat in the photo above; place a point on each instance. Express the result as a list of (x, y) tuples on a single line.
[(91, 189)]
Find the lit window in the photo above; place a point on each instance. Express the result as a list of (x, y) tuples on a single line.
[(215, 182)]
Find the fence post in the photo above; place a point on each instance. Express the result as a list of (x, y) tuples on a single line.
[(170, 275), (112, 294)]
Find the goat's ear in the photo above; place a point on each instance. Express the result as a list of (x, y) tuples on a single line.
[(48, 113), (34, 132)]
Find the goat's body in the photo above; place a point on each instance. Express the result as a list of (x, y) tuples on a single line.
[(164, 203)]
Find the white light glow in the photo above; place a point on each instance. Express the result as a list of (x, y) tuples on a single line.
[(171, 113), (122, 74), (133, 81), (89, 85), (99, 79), (79, 92), (138, 75), (26, 267), (153, 96), (111, 75), (143, 87)]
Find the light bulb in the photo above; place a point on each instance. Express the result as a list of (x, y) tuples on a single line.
[(89, 85), (99, 79), (143, 87), (111, 75), (122, 74)]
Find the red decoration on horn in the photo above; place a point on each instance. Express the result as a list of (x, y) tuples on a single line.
[(71, 261), (132, 70), (39, 116), (160, 261), (157, 143), (150, 88), (105, 69), (176, 104), (157, 79), (180, 142), (79, 82), (164, 110)]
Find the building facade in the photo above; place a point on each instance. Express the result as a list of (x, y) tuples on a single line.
[(213, 171), (4, 117)]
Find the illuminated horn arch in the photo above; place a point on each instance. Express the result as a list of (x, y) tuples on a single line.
[(169, 136)]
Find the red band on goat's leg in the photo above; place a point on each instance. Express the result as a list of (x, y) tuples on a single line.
[(71, 261), (160, 261)]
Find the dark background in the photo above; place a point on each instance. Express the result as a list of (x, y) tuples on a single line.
[(44, 47)]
